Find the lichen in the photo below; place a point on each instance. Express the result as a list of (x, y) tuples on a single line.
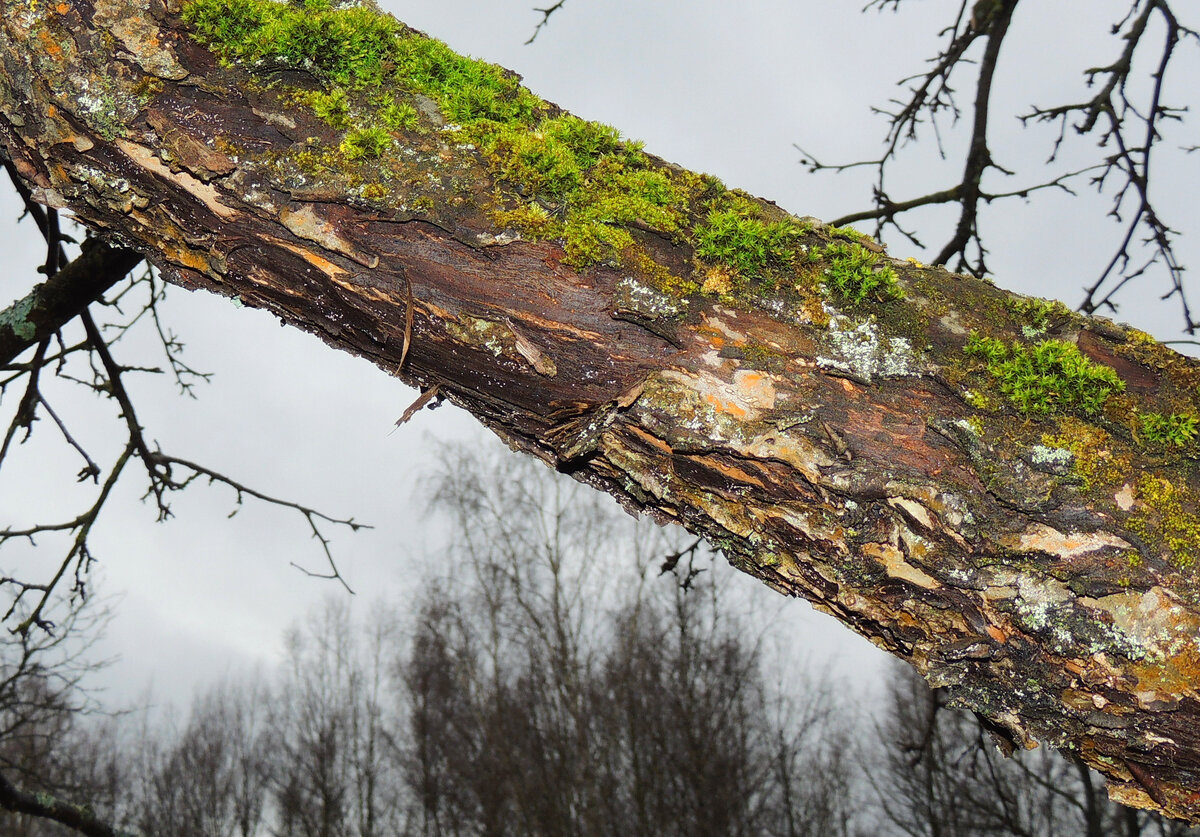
[(1099, 461), (861, 351), (1055, 460), (15, 318), (647, 301), (1167, 516)]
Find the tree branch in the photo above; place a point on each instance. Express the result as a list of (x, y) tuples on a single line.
[(967, 477), (58, 300), (47, 806), (545, 21)]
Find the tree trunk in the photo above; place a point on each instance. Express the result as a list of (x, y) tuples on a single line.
[(1014, 513)]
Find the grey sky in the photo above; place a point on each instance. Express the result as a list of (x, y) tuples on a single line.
[(716, 86)]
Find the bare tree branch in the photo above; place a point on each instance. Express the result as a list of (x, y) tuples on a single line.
[(545, 13), (1113, 114)]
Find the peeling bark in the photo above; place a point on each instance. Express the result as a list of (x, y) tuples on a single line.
[(1036, 565)]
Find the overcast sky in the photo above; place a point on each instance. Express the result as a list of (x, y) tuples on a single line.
[(719, 87)]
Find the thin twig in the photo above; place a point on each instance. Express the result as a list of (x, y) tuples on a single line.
[(546, 12)]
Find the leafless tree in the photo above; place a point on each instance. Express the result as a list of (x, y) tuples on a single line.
[(332, 729), (49, 715), (1125, 116), (207, 778), (541, 706)]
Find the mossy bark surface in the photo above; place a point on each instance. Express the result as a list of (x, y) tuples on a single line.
[(998, 509)]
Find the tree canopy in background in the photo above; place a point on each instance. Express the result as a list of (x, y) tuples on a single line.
[(555, 680)]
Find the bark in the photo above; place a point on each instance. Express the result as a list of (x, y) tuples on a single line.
[(61, 298), (1035, 564)]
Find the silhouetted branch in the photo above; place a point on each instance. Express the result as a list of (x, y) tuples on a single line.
[(546, 13), (1126, 127), (1118, 119), (79, 553)]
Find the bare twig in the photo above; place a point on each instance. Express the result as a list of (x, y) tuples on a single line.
[(1128, 130), (546, 12), (311, 515)]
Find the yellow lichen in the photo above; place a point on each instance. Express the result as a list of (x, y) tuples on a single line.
[(1097, 461), (717, 282), (1167, 517)]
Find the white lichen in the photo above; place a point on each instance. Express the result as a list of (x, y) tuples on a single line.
[(1053, 457), (645, 300), (861, 351), (1055, 460)]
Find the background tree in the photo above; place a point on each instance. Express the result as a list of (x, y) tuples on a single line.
[(54, 731), (206, 777), (674, 719), (559, 691)]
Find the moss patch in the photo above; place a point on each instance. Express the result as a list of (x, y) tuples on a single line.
[(1174, 430), (1035, 315), (753, 247), (557, 176), (855, 274), (1046, 378), (371, 141)]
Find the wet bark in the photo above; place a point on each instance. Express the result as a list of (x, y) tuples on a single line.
[(845, 455)]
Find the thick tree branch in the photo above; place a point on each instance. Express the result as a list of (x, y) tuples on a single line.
[(47, 806), (58, 300), (999, 491)]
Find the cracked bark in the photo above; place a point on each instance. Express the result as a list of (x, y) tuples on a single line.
[(828, 456)]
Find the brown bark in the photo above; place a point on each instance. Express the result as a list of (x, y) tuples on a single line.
[(837, 456)]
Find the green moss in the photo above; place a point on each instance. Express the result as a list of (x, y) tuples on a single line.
[(396, 116), (1046, 378), (1167, 517), (848, 233), (854, 274), (351, 46), (558, 176), (538, 163), (619, 195), (753, 247), (466, 89), (532, 219), (1177, 430), (366, 142), (333, 106), (357, 48), (587, 141), (586, 186)]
